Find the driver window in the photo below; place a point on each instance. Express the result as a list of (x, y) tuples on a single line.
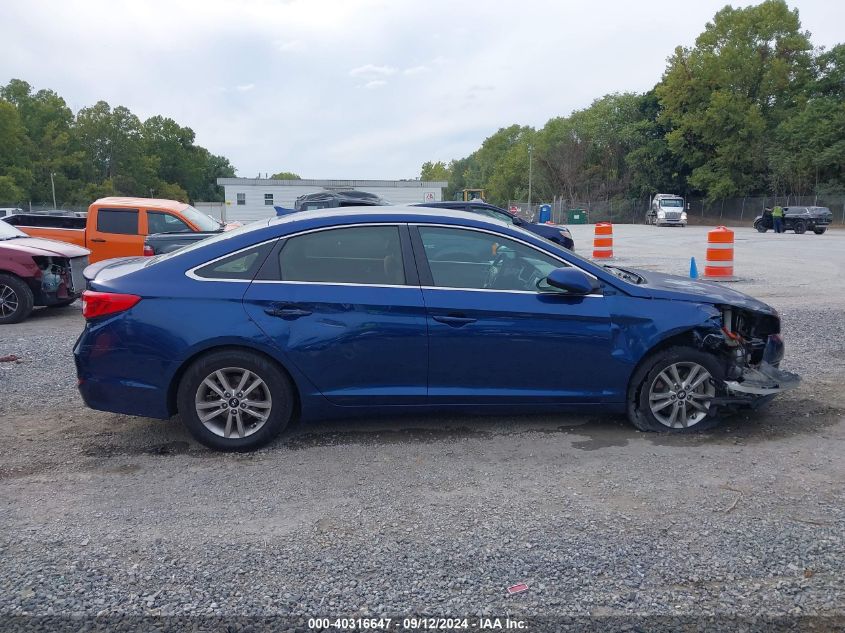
[(463, 258)]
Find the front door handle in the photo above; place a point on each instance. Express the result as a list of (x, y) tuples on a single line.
[(97, 239), (454, 320), (286, 311)]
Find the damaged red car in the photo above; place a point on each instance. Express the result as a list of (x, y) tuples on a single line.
[(37, 272)]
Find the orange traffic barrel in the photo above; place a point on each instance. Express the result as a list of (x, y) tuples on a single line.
[(603, 241), (720, 254)]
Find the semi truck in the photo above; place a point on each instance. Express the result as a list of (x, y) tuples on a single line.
[(666, 209)]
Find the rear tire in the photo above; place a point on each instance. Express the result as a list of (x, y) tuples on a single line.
[(16, 299), (235, 400), (819, 230), (761, 228), (800, 227), (655, 405)]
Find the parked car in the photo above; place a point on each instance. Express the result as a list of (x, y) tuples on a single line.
[(116, 227), (4, 211), (355, 311), (160, 243), (336, 199), (666, 209), (798, 219), (556, 233), (36, 272)]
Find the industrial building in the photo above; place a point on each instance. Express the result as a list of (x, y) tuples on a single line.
[(249, 199)]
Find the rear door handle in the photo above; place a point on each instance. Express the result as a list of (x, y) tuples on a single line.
[(286, 311), (97, 239), (454, 320)]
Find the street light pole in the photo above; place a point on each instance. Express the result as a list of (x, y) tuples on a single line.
[(529, 180), (53, 186)]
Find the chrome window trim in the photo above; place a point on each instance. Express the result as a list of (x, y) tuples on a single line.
[(192, 274), (509, 237), (513, 292)]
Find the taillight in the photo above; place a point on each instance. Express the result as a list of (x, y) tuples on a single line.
[(148, 250), (97, 304)]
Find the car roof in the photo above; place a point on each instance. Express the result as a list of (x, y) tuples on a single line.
[(134, 203), (392, 213)]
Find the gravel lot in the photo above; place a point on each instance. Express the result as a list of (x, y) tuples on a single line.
[(117, 516)]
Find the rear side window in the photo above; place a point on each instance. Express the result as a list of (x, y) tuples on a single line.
[(240, 266), (360, 255), (121, 221), (158, 222)]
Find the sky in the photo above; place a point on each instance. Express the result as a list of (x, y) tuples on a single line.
[(354, 89)]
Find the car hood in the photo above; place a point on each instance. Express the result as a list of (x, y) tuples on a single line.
[(673, 287), (45, 248)]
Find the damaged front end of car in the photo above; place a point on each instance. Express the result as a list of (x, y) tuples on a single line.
[(751, 347)]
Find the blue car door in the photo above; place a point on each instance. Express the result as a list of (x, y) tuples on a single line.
[(345, 307), (495, 337)]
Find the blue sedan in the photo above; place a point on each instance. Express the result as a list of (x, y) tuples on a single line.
[(351, 311)]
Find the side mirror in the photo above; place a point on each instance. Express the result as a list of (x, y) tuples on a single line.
[(518, 221), (572, 280)]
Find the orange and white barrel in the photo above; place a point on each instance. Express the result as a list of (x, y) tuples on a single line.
[(720, 254), (603, 241)]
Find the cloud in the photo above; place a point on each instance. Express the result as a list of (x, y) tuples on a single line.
[(286, 46), (371, 71), (244, 87), (375, 83), (416, 70)]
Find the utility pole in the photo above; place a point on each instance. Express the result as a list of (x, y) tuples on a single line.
[(529, 180), (53, 186)]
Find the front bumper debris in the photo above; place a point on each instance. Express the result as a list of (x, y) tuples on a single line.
[(763, 380)]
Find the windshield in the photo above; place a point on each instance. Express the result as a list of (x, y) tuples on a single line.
[(8, 232), (203, 221), (677, 203)]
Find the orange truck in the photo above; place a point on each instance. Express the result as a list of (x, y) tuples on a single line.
[(116, 227)]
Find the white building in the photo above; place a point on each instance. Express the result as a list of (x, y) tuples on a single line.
[(249, 199)]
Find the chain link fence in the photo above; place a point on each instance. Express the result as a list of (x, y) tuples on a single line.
[(730, 211), (70, 209)]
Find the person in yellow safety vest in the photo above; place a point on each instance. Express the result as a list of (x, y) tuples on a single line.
[(777, 218)]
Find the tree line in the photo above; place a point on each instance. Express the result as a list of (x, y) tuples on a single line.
[(99, 151), (751, 109)]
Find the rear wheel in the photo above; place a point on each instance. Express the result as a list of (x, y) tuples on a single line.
[(673, 392), (235, 400), (16, 299), (761, 228), (800, 227), (819, 230)]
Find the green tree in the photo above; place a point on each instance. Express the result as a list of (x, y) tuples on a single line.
[(285, 175), (745, 75), (437, 171), (808, 155)]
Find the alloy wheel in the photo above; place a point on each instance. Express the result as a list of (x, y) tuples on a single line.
[(233, 402), (9, 301), (681, 394)]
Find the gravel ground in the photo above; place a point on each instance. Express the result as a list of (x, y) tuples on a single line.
[(128, 517)]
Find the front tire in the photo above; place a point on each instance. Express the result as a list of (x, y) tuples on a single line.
[(819, 230), (235, 400), (672, 392), (761, 228), (16, 299)]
